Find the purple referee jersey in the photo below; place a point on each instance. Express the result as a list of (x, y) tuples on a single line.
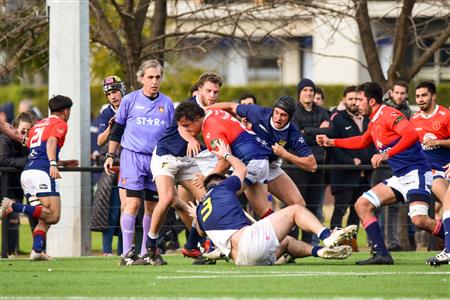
[(144, 120)]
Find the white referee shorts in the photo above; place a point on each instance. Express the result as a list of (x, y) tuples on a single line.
[(257, 245), (38, 183)]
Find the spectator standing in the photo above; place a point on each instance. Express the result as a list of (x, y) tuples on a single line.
[(311, 120), (14, 154)]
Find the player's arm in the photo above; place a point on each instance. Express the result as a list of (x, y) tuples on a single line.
[(192, 209), (193, 147), (103, 136), (354, 142), (114, 142), (307, 163), (227, 106), (11, 132), (408, 136), (52, 143), (223, 150)]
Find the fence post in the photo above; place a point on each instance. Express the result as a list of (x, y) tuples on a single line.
[(5, 221)]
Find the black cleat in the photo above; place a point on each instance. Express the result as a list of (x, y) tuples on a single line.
[(153, 258), (204, 261), (442, 258), (377, 259), (131, 259)]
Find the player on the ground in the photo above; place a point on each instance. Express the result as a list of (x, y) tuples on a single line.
[(41, 171), (432, 124), (220, 215), (173, 163), (398, 144), (142, 117), (218, 125)]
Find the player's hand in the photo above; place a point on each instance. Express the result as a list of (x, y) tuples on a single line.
[(198, 181), (324, 141), (324, 124), (108, 165), (193, 148), (431, 143), (54, 172), (378, 159), (69, 163), (279, 150), (221, 148), (356, 161), (447, 170), (192, 210)]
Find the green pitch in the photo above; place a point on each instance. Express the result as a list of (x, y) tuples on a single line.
[(94, 277)]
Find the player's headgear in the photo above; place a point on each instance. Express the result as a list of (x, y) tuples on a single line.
[(113, 83), (286, 103), (59, 103)]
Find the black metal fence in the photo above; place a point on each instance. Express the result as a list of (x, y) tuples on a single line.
[(5, 186)]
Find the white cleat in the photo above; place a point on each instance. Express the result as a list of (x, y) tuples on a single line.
[(338, 235), (39, 256), (338, 252), (442, 258), (5, 207), (214, 255)]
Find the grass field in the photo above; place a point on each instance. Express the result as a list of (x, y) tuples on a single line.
[(101, 277)]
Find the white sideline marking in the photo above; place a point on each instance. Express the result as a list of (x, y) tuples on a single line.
[(253, 274)]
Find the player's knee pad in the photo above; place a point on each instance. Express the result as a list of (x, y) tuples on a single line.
[(34, 201), (372, 198), (418, 210)]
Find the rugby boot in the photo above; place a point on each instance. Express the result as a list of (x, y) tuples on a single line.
[(338, 235), (442, 258), (152, 257), (376, 259)]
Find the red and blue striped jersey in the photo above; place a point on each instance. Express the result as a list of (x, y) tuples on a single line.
[(435, 126), (53, 126)]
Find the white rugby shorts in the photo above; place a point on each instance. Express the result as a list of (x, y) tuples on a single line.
[(257, 245), (179, 168), (38, 183)]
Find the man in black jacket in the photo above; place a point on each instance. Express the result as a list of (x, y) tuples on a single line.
[(311, 120), (348, 185)]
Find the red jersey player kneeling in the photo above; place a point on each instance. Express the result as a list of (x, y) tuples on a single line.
[(46, 139), (398, 143)]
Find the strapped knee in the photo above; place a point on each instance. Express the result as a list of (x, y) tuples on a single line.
[(372, 198), (418, 210), (34, 201)]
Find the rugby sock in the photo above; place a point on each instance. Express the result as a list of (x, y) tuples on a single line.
[(374, 233), (193, 239), (151, 240), (446, 221), (315, 249), (127, 225), (33, 211), (439, 230), (324, 233), (146, 221), (38, 240)]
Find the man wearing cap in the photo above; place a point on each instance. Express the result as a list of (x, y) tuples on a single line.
[(311, 120)]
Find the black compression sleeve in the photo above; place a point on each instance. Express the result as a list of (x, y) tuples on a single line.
[(116, 132)]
